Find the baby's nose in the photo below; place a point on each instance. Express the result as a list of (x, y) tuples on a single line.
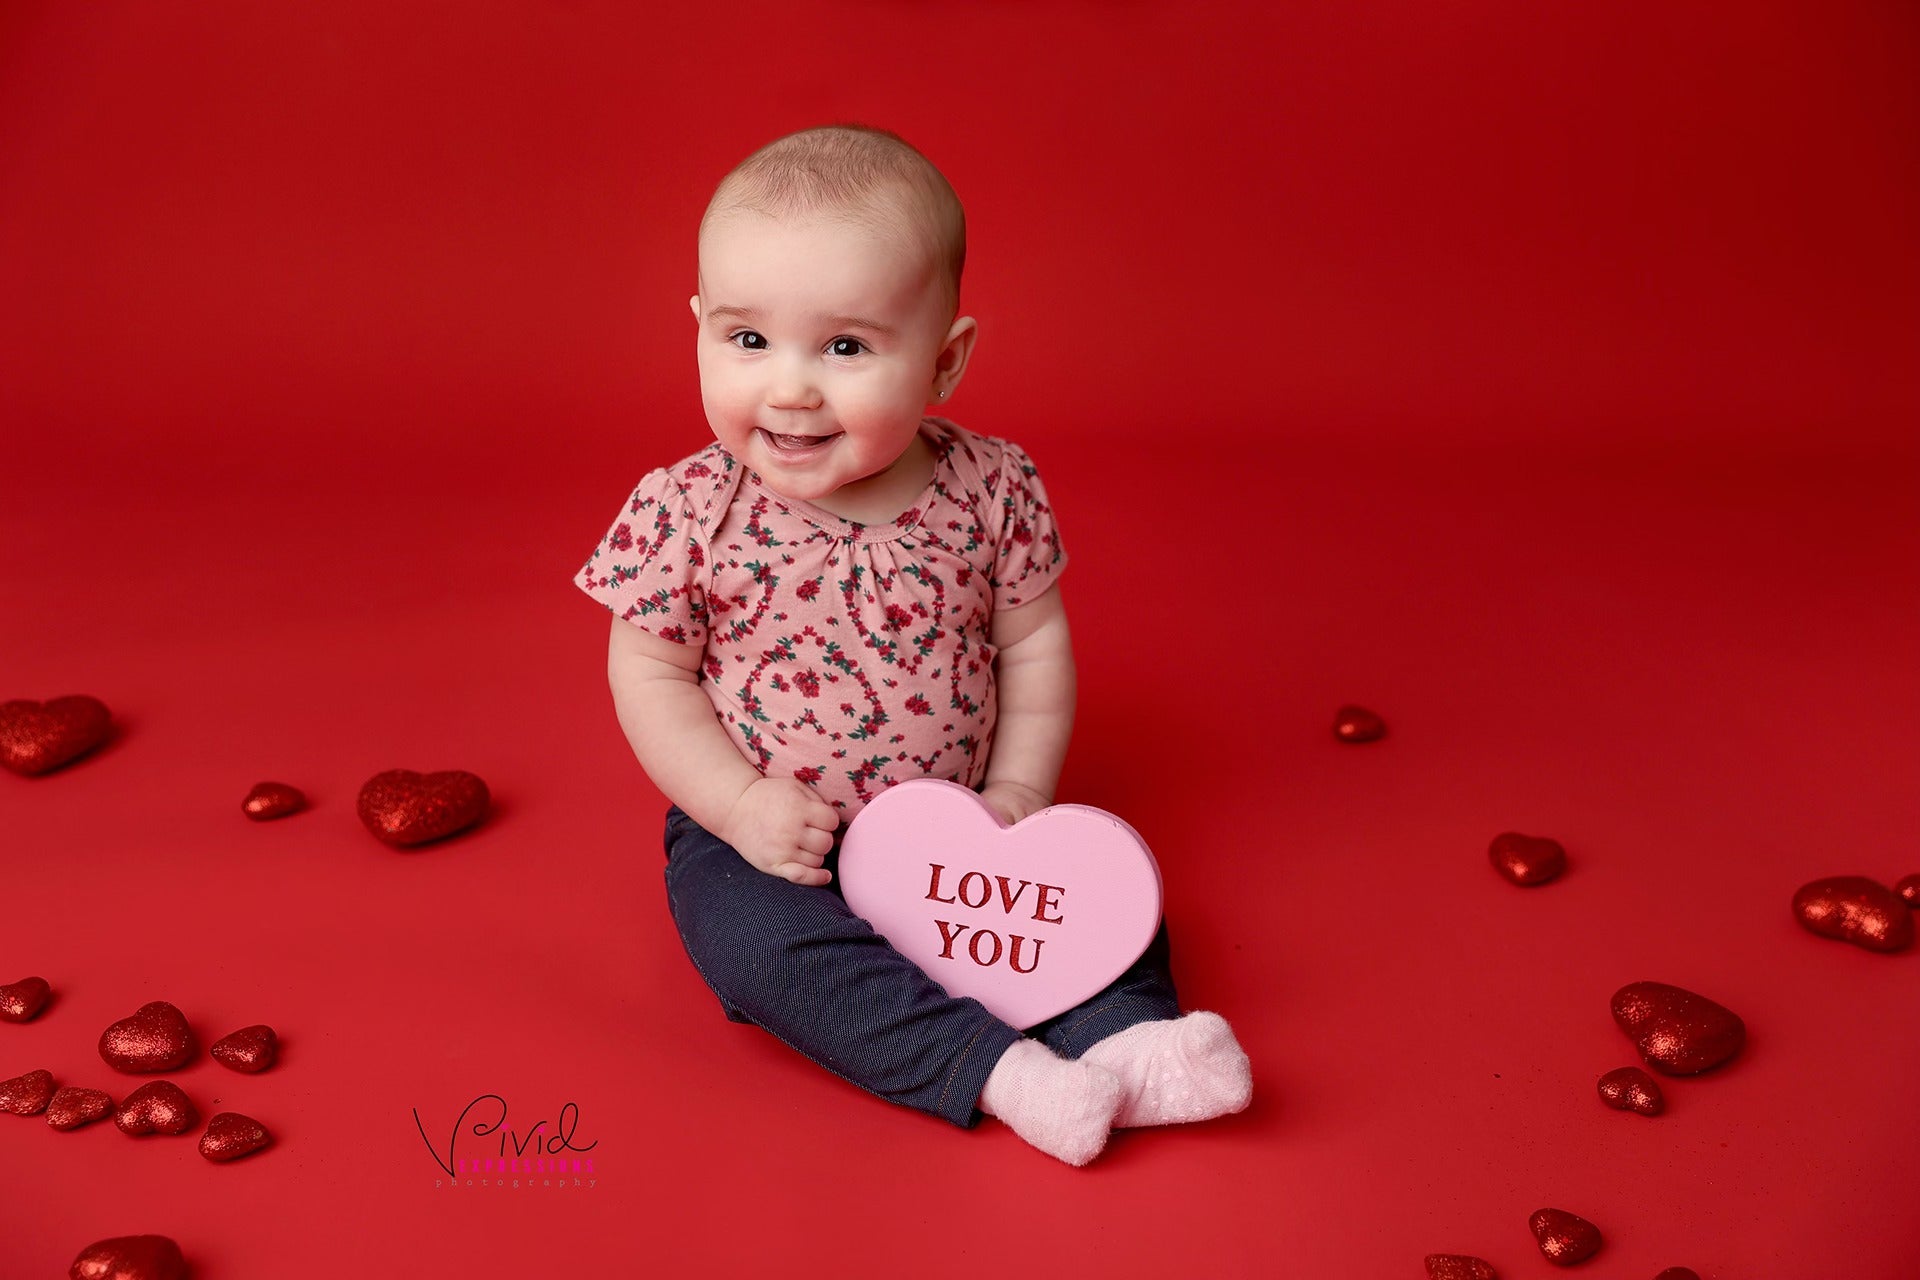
[(791, 385)]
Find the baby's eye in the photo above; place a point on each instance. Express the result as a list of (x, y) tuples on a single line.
[(747, 340), (839, 346)]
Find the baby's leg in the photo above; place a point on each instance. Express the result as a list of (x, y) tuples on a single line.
[(796, 961), (1173, 1069)]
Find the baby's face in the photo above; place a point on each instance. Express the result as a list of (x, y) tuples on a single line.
[(818, 348)]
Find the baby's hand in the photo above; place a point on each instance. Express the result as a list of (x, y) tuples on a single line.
[(1012, 801), (783, 828)]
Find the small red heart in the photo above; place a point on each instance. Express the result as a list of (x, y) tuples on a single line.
[(1857, 910), (249, 1049), (37, 738), (160, 1107), (270, 800), (130, 1258), (1564, 1238), (405, 808), (27, 1095), (1357, 724), (72, 1107), (1631, 1089), (1526, 860), (1908, 887), (1458, 1266), (231, 1135), (155, 1038), (1678, 1033), (19, 1001)]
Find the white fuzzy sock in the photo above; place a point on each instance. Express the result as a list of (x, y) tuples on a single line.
[(1064, 1108), (1176, 1070)]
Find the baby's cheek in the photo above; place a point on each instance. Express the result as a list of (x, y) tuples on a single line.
[(895, 393)]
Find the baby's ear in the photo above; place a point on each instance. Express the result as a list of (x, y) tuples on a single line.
[(957, 349), (694, 302)]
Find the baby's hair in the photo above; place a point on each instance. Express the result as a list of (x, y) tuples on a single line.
[(868, 175)]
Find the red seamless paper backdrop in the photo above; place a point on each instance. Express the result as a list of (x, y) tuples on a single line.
[(1542, 378)]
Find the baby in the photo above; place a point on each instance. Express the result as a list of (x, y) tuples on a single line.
[(842, 593)]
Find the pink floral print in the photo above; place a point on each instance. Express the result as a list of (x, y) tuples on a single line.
[(848, 656)]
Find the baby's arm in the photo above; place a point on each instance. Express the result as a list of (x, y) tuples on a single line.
[(778, 824), (1034, 675)]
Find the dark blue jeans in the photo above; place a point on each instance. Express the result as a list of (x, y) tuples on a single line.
[(796, 961)]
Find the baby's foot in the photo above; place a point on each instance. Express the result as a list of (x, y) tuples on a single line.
[(1064, 1108), (1176, 1070)]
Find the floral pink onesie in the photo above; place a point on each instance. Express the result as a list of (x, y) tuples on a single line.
[(849, 656)]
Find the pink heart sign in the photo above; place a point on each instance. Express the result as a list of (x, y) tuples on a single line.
[(1030, 920)]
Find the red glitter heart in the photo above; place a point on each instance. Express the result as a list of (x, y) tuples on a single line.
[(37, 738), (231, 1135), (1564, 1238), (1678, 1273), (1857, 910), (405, 808), (160, 1107), (249, 1049), (270, 800), (20, 1000), (1357, 724), (27, 1095), (72, 1107), (1908, 887), (1526, 860), (130, 1258), (156, 1038), (1678, 1033), (1458, 1266), (1631, 1089)]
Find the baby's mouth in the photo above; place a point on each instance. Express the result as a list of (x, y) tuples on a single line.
[(796, 446)]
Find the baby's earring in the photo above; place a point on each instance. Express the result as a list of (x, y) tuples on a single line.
[(943, 395)]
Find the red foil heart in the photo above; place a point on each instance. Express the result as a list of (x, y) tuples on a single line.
[(1458, 1266), (1857, 910), (1908, 887), (37, 738), (406, 808), (1631, 1089), (27, 1095), (1678, 1273), (270, 800), (249, 1049), (1357, 724), (19, 1001), (1678, 1033), (160, 1107), (1565, 1239), (72, 1107), (231, 1135), (1526, 860), (155, 1038), (130, 1258)]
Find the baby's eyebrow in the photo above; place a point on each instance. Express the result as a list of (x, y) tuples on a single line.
[(855, 322), (837, 322)]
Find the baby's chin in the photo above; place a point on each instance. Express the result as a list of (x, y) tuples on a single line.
[(826, 491)]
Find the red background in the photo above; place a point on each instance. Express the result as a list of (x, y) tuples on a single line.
[(1542, 377)]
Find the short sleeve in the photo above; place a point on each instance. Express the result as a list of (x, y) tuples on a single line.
[(1027, 556), (650, 567)]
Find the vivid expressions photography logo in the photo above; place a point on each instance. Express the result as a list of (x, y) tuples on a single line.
[(490, 1154)]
